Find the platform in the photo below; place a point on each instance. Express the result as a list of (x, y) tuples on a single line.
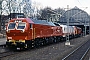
[(2, 41)]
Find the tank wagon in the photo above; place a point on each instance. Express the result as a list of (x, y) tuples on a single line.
[(77, 31), (72, 31)]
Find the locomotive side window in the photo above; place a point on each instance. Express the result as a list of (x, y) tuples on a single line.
[(30, 25), (21, 26), (11, 26)]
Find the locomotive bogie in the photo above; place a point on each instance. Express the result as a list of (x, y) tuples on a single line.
[(16, 43)]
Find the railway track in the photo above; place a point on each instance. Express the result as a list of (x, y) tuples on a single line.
[(7, 53), (87, 55), (79, 53), (2, 45), (4, 51), (3, 48)]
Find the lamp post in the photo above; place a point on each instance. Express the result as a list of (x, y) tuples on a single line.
[(10, 8), (0, 14), (67, 37), (89, 25), (85, 27), (85, 23)]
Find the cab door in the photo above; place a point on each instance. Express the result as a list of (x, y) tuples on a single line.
[(32, 32)]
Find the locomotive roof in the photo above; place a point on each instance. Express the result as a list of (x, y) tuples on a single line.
[(51, 23), (27, 19), (44, 22)]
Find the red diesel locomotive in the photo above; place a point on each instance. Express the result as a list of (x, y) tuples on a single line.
[(25, 33)]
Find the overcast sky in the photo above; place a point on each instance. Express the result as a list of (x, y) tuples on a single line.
[(82, 4)]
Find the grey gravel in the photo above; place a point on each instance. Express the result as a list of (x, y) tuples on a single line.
[(50, 52)]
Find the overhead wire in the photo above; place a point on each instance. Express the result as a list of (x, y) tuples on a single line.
[(79, 2)]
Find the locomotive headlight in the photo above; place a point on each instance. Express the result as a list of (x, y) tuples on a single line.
[(8, 31), (22, 31), (26, 37)]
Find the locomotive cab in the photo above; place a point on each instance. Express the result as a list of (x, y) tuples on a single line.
[(17, 33)]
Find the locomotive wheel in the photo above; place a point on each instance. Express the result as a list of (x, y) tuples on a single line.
[(55, 40), (33, 43)]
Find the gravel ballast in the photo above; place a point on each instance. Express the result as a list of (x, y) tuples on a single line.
[(51, 52)]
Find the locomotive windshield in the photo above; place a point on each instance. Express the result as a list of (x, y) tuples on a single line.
[(11, 26), (21, 26)]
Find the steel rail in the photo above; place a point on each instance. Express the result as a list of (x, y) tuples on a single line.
[(75, 51), (85, 54)]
